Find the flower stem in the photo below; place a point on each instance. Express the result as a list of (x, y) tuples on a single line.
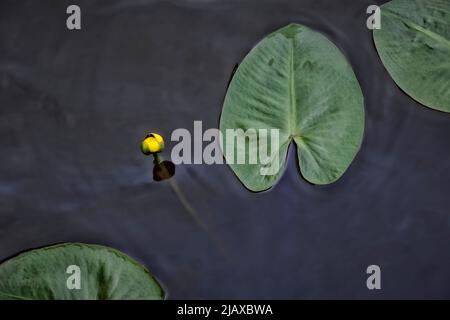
[(157, 160)]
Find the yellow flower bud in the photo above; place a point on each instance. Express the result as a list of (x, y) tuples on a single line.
[(153, 143)]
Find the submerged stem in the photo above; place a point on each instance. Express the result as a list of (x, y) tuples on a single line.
[(184, 201)]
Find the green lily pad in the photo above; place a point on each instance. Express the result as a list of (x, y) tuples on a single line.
[(414, 46), (48, 274), (297, 81)]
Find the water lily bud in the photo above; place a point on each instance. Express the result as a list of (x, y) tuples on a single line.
[(153, 143)]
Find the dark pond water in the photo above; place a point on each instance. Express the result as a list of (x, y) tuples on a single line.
[(75, 105)]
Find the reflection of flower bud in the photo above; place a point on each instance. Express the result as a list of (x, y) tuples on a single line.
[(163, 171), (153, 143)]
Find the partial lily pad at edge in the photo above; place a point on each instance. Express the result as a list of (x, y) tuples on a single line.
[(414, 46), (105, 274)]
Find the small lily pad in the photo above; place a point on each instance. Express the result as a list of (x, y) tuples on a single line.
[(104, 274)]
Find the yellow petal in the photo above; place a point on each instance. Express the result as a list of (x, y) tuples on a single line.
[(152, 145), (158, 138)]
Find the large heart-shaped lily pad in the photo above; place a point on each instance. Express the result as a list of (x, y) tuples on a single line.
[(104, 274), (297, 81), (414, 46)]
